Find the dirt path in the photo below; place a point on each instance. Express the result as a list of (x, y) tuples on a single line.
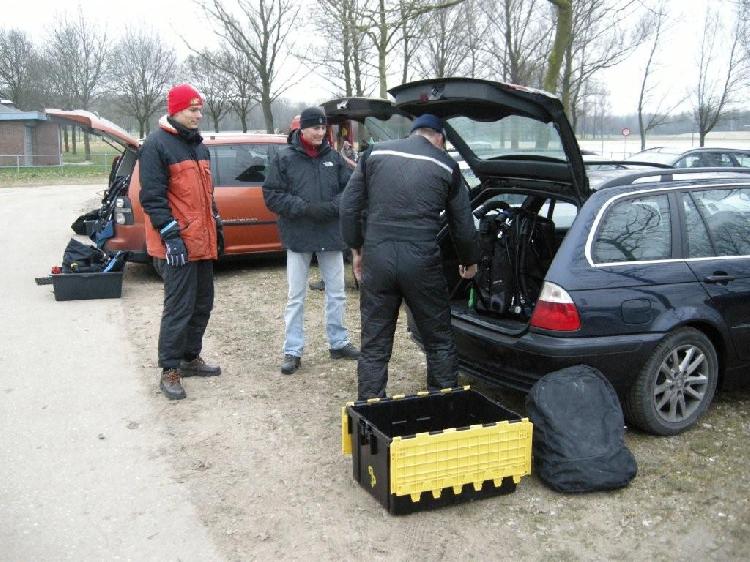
[(260, 455)]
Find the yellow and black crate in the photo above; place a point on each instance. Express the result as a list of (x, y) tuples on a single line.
[(431, 449)]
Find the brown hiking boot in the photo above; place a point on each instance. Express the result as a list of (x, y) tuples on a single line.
[(198, 368), (171, 384)]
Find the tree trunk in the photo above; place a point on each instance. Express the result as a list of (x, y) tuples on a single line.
[(382, 46), (563, 32), (381, 75), (66, 144), (74, 140), (347, 56), (86, 146), (142, 127), (265, 103), (642, 130), (567, 83)]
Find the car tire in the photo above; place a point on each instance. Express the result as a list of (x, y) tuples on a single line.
[(676, 385)]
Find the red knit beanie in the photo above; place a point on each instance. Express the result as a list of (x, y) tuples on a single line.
[(181, 97)]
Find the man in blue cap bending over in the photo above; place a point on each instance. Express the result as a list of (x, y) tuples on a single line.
[(402, 187)]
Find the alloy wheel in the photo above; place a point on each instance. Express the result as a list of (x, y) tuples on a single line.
[(681, 383)]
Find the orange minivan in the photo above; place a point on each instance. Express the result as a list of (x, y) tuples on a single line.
[(238, 164)]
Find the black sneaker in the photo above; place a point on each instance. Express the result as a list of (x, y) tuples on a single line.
[(290, 364), (171, 384), (346, 352), (198, 368)]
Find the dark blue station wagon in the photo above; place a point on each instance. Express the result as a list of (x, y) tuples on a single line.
[(645, 278)]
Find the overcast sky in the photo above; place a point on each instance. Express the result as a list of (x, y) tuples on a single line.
[(181, 18)]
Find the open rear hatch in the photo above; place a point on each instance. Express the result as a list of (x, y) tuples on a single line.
[(504, 132), (376, 119), (100, 224), (95, 125)]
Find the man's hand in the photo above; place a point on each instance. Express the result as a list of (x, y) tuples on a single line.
[(321, 211), (177, 255), (467, 272), (219, 235), (357, 264)]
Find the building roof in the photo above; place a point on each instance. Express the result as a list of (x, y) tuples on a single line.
[(12, 114)]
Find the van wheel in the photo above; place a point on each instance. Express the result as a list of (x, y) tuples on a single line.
[(158, 267), (676, 385)]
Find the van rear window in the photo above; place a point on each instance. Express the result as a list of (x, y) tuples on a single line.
[(241, 164)]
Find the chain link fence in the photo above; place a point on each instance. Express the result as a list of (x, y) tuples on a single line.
[(99, 160)]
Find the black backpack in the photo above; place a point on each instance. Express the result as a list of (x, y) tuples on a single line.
[(579, 437)]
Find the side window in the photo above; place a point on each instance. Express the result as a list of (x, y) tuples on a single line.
[(241, 164), (727, 213), (637, 229), (563, 214), (699, 243)]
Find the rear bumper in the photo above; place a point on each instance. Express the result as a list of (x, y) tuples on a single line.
[(519, 361)]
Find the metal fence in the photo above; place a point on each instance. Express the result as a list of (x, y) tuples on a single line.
[(99, 160)]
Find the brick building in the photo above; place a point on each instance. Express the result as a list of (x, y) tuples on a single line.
[(27, 138)]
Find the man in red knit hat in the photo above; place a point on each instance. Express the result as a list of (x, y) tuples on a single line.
[(184, 234)]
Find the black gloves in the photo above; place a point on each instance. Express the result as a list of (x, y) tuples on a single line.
[(219, 235), (321, 211), (177, 255)]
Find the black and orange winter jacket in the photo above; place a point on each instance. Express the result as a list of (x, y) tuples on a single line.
[(175, 173)]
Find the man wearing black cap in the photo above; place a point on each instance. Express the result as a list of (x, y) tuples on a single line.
[(303, 187), (403, 186)]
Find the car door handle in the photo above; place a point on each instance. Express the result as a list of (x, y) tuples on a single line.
[(719, 278)]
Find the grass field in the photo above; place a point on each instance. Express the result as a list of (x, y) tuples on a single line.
[(75, 170)]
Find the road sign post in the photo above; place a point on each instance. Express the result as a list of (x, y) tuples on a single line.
[(625, 135)]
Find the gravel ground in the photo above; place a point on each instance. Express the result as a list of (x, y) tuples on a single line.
[(261, 456)]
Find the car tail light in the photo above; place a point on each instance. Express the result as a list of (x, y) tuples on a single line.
[(555, 310)]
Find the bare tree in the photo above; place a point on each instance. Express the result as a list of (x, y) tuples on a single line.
[(214, 84), (262, 34), (476, 38), (659, 114), (240, 72), (445, 48), (142, 67), (385, 23), (717, 82), (342, 59), (76, 53), (19, 69), (518, 44), (603, 35)]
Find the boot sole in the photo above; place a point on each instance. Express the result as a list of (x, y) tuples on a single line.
[(184, 373), (337, 356)]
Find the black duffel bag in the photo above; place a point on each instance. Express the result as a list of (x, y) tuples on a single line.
[(80, 258), (579, 436)]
